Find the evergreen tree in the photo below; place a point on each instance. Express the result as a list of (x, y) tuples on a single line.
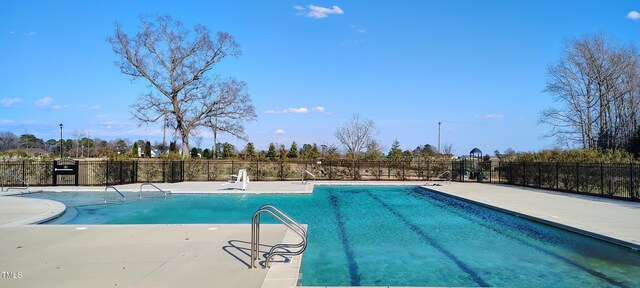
[(172, 147), (227, 150), (250, 150), (134, 150), (395, 152), (293, 151), (147, 149), (206, 154), (272, 151), (282, 153), (194, 152)]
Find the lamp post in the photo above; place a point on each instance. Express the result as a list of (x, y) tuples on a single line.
[(60, 141), (439, 123)]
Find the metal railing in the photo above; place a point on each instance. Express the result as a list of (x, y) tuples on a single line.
[(305, 174), (11, 175), (154, 186), (281, 249), (441, 176), (124, 199)]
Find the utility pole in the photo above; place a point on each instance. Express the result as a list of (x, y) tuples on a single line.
[(439, 123)]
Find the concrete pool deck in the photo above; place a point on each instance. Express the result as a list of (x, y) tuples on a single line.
[(195, 255)]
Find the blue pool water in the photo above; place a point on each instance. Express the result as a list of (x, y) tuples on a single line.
[(396, 236)]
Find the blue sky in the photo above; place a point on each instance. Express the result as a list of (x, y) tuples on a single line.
[(479, 67)]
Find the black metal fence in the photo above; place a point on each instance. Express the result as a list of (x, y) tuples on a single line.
[(102, 173), (621, 181)]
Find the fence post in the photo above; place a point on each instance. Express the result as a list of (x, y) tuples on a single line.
[(601, 178), (539, 174), (403, 162), (120, 172), (55, 177), (23, 178), (164, 175), (182, 174), (379, 170), (76, 172), (490, 171), (577, 177), (208, 172), (330, 171), (557, 176), (631, 179), (257, 170), (106, 175), (524, 174), (281, 172)]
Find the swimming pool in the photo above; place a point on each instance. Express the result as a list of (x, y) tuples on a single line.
[(395, 236)]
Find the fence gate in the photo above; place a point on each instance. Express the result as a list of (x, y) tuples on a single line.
[(65, 172)]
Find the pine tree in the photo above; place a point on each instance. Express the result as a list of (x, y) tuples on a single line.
[(395, 152), (147, 149), (194, 152), (250, 150), (272, 151), (293, 151), (282, 153), (134, 150)]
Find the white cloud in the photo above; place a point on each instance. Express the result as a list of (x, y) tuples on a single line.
[(280, 131), (302, 110), (318, 109), (58, 107), (358, 29), (32, 34), (44, 101), (493, 116), (634, 15), (317, 12), (94, 107), (6, 102), (12, 32), (6, 121)]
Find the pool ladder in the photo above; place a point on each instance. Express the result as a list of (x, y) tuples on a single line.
[(154, 186), (124, 199), (305, 174), (14, 176), (282, 249)]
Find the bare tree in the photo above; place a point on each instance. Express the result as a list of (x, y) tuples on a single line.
[(356, 134), (597, 84), (175, 61), (8, 140)]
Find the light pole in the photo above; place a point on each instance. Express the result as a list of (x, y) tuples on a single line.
[(439, 123), (60, 141)]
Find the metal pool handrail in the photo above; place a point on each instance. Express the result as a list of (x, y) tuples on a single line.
[(124, 199), (14, 176), (278, 249), (307, 172), (154, 186)]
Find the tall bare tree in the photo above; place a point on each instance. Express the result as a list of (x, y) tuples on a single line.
[(356, 134), (175, 61), (597, 84)]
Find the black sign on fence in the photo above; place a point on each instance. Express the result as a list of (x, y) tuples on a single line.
[(65, 168)]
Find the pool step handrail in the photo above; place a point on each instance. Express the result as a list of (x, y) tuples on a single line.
[(124, 199), (14, 176), (281, 249), (442, 174), (165, 192), (305, 174)]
